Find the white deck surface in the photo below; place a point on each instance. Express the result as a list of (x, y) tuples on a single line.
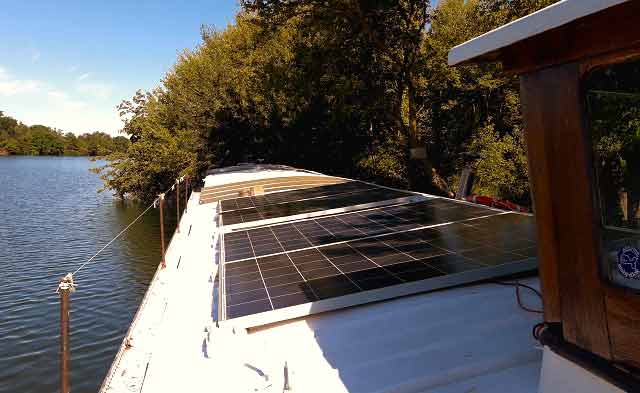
[(553, 16), (178, 305), (470, 339)]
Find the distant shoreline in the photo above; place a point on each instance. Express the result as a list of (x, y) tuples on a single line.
[(5, 154)]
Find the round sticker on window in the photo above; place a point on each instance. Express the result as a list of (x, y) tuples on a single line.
[(629, 262)]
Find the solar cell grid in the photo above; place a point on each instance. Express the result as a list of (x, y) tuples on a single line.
[(294, 195), (316, 192), (349, 226), (291, 206), (298, 277)]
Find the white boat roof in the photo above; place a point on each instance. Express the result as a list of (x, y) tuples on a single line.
[(459, 340), (472, 338), (249, 175), (551, 17)]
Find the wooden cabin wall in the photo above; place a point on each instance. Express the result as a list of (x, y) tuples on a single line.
[(559, 155), (594, 314), (623, 318)]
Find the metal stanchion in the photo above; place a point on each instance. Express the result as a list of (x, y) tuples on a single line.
[(162, 262), (186, 193), (65, 288), (287, 385), (178, 205)]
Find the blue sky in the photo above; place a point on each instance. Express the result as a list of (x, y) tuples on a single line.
[(67, 64)]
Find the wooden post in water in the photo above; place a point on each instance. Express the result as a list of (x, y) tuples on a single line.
[(162, 262), (178, 204), (65, 288)]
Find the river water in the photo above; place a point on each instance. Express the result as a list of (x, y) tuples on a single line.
[(52, 219)]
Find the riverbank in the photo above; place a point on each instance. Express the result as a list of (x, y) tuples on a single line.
[(5, 153)]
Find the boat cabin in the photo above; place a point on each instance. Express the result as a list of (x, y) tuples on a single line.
[(578, 62)]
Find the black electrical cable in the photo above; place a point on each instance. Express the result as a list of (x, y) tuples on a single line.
[(517, 286)]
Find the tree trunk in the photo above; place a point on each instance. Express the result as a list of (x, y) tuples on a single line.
[(420, 167), (422, 175)]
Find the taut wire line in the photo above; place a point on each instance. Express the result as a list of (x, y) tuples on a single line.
[(116, 237), (153, 204)]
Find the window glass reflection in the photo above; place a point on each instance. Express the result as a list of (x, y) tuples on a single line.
[(613, 106)]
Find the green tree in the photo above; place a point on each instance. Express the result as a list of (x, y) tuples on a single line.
[(156, 158), (19, 139), (388, 33), (501, 167), (472, 115), (45, 142), (344, 87)]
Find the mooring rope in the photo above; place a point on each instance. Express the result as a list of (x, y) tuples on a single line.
[(116, 237), (152, 204)]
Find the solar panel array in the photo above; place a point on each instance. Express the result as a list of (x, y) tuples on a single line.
[(266, 185), (256, 208), (304, 260), (323, 230), (317, 272), (296, 195)]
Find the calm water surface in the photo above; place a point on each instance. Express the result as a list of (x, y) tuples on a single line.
[(52, 219)]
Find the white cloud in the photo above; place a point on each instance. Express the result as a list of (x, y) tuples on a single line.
[(95, 89), (37, 102), (73, 69), (62, 99), (10, 86), (57, 94)]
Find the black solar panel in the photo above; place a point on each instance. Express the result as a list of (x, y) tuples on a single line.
[(295, 195), (348, 226), (265, 207), (290, 278)]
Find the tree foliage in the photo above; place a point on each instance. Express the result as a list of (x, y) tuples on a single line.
[(19, 139), (344, 87), (472, 113), (156, 158), (387, 35)]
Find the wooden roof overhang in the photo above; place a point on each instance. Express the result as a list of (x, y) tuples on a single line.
[(567, 31), (552, 50)]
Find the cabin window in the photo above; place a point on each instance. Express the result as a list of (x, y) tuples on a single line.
[(613, 108)]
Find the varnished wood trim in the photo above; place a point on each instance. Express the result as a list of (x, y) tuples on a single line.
[(608, 31), (539, 177), (567, 218), (623, 317), (620, 56)]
